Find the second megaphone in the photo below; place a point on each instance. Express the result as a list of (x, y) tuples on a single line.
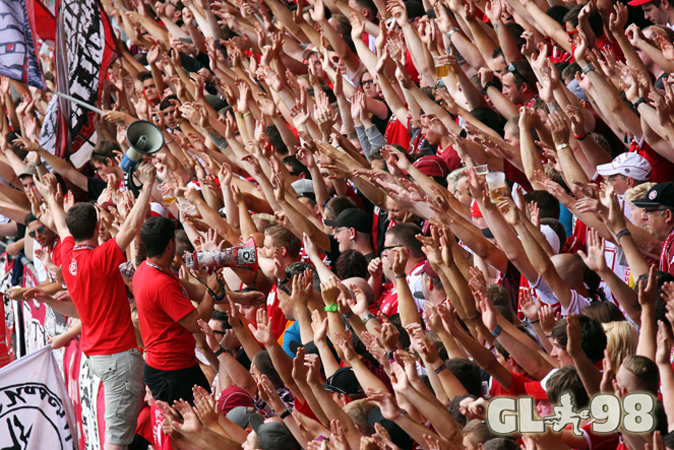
[(244, 255), (145, 138)]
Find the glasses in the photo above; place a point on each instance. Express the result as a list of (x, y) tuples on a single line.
[(384, 251), (39, 230), (613, 179), (366, 82)]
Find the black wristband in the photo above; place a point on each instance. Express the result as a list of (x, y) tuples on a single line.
[(285, 414), (442, 367), (487, 84), (639, 102), (220, 351)]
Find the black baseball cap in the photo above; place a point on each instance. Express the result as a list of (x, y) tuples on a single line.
[(344, 381), (353, 218), (662, 194), (272, 435)]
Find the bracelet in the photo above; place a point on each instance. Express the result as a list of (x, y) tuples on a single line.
[(452, 31), (581, 137), (497, 331), (285, 414), (487, 85), (588, 68), (639, 102), (549, 335), (349, 314), (368, 317), (401, 276), (534, 321), (622, 233), (442, 367), (220, 351), (391, 355), (244, 115)]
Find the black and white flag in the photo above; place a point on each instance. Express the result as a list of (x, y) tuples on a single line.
[(35, 410)]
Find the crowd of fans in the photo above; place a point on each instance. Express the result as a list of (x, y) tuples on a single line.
[(450, 201)]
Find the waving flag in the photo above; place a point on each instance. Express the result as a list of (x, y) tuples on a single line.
[(18, 49), (85, 49)]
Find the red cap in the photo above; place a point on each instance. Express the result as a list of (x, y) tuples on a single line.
[(232, 397), (432, 166), (639, 2), (429, 270), (475, 210)]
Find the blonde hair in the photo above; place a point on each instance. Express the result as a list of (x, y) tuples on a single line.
[(621, 342), (638, 191)]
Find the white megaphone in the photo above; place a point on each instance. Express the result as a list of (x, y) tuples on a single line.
[(145, 138)]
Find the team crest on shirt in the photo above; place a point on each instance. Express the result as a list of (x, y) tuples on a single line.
[(72, 268)]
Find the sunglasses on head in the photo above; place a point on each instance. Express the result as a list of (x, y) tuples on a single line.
[(39, 230)]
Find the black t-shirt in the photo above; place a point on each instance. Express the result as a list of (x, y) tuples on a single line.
[(95, 187), (382, 123)]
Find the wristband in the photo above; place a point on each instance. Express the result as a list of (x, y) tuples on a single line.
[(639, 102), (451, 32), (401, 276), (622, 233), (349, 314), (285, 414), (331, 308), (487, 84), (442, 367), (391, 355), (497, 331), (220, 351), (244, 115), (581, 137), (588, 68), (549, 335), (368, 317), (534, 321)]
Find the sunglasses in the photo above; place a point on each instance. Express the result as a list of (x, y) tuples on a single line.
[(39, 230), (512, 69), (366, 82)]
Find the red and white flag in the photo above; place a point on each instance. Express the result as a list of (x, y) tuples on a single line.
[(85, 49)]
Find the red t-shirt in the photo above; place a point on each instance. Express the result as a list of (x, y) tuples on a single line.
[(451, 158), (144, 424), (161, 441), (516, 386), (99, 294), (600, 441), (275, 313), (396, 132), (662, 169), (162, 301), (388, 304)]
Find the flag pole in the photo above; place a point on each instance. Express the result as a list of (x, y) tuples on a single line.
[(79, 102)]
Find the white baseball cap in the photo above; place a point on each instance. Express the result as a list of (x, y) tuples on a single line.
[(627, 164)]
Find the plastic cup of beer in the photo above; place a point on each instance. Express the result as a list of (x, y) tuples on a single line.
[(441, 70), (497, 186), (482, 170), (187, 207)]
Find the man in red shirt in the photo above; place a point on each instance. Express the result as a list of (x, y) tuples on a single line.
[(97, 289), (167, 317)]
